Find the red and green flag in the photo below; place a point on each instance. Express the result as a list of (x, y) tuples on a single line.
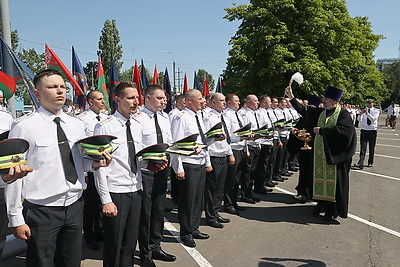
[(101, 84), (54, 62), (136, 79), (7, 85)]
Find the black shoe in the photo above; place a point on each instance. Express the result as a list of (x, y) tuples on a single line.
[(231, 210), (285, 174), (239, 208), (93, 245), (269, 184), (199, 235), (301, 198), (222, 219), (358, 166), (256, 199), (215, 224), (167, 209), (293, 169), (278, 179), (147, 262), (261, 191), (162, 255), (248, 200), (369, 165), (188, 241), (284, 178), (275, 183)]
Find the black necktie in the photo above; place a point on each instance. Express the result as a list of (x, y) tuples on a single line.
[(203, 138), (98, 117), (368, 120), (65, 153), (158, 130), (255, 116), (228, 138), (239, 121), (131, 147)]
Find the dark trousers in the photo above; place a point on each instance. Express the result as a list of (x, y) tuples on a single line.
[(367, 137), (281, 158), (153, 208), (214, 187), (56, 234), (262, 173), (306, 172), (233, 175), (191, 192), (121, 232), (3, 222), (272, 160), (392, 121), (249, 171), (91, 211), (174, 185)]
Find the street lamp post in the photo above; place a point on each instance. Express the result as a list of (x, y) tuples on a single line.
[(173, 69)]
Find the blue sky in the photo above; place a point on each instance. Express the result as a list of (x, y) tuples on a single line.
[(194, 31)]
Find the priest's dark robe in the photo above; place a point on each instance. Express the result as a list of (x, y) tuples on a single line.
[(340, 146)]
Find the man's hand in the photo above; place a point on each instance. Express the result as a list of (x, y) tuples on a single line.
[(180, 176), (103, 162), (156, 167), (247, 155), (289, 92), (280, 144), (316, 130), (17, 172), (197, 151), (110, 210), (231, 160), (209, 169), (22, 232)]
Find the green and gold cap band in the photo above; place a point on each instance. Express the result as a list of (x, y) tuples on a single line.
[(153, 156), (12, 160), (243, 133), (214, 132), (187, 145), (96, 150)]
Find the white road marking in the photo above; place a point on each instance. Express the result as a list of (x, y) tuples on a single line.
[(388, 145), (376, 174), (354, 217), (383, 156), (201, 261)]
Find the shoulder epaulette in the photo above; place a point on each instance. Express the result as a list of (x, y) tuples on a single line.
[(137, 114), (80, 115), (24, 117), (108, 119), (180, 114)]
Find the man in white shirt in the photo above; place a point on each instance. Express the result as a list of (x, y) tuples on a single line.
[(50, 218), (368, 133), (179, 105), (91, 210), (392, 113), (156, 129), (190, 170), (120, 185), (220, 155)]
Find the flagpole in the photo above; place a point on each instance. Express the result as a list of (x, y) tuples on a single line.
[(5, 22)]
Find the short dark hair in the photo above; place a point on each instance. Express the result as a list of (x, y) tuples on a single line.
[(120, 88), (230, 97), (45, 73), (91, 96), (262, 97), (151, 89), (179, 97)]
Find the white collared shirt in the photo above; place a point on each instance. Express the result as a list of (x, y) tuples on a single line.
[(264, 120), (232, 124), (118, 177), (6, 119), (175, 111), (219, 148), (183, 125), (249, 117), (373, 115), (393, 111), (90, 120), (47, 184)]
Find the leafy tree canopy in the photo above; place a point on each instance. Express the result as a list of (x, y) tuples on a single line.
[(318, 38), (392, 81), (200, 79)]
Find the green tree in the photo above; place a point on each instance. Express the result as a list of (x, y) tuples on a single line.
[(200, 79), (392, 74), (91, 74), (318, 38), (109, 45), (126, 75)]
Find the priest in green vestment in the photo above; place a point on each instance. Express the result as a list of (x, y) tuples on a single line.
[(334, 147)]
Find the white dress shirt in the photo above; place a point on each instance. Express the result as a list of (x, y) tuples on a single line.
[(249, 117), (6, 120), (46, 185), (175, 111), (219, 148), (232, 124), (183, 125), (90, 120), (264, 120), (393, 111), (373, 116), (118, 177)]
